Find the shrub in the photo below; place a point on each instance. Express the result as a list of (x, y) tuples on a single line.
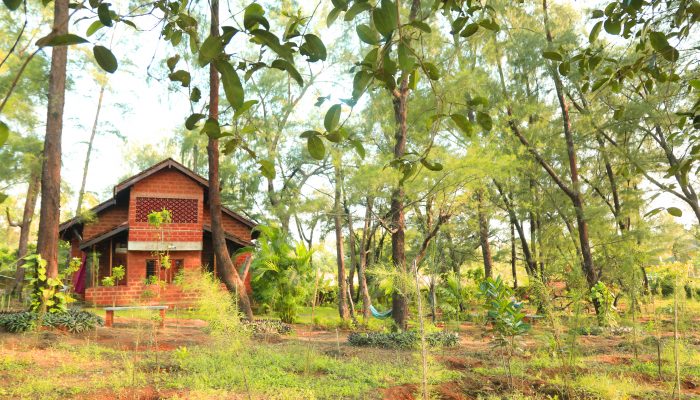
[(263, 326), (594, 330), (215, 305), (282, 276), (74, 321), (402, 340)]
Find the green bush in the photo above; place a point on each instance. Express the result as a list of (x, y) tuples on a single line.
[(263, 326), (402, 340), (282, 275), (74, 321)]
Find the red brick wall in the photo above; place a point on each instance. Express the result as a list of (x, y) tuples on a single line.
[(166, 183), (231, 225), (136, 263), (134, 295), (106, 220)]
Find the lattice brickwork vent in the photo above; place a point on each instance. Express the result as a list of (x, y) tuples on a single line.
[(184, 210)]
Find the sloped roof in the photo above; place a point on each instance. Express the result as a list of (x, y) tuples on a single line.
[(168, 163)]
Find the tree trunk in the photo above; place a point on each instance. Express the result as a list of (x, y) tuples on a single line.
[(364, 258), (575, 193), (398, 223), (353, 251), (24, 229), (530, 264), (81, 193), (513, 256), (50, 209), (226, 269), (340, 255), (484, 236)]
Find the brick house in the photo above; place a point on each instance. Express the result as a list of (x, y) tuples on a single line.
[(121, 235)]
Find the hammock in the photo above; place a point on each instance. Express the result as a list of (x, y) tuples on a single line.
[(379, 315)]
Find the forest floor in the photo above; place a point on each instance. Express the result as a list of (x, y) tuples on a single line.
[(136, 360)]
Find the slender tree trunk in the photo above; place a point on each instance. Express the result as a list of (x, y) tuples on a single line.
[(24, 230), (398, 223), (538, 224), (513, 258), (364, 258), (575, 192), (353, 251), (227, 271), (530, 264), (81, 193), (50, 211), (484, 236), (340, 255)]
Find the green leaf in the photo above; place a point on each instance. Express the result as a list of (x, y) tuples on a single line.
[(212, 129), (367, 34), (462, 123), (172, 62), (192, 120), (254, 15), (431, 70), (490, 24), (270, 40), (332, 16), (105, 59), (619, 113), (484, 120), (552, 55), (267, 168), (210, 49), (359, 148), (595, 31), (332, 118), (385, 18), (313, 48), (469, 30), (597, 14), (406, 60), (675, 211), (356, 9), (340, 4), (12, 4), (231, 82), (431, 166), (181, 76), (564, 68), (104, 15), (60, 40), (196, 95), (660, 44), (94, 27), (4, 133), (421, 26), (612, 26), (316, 147), (291, 70), (359, 83), (245, 107)]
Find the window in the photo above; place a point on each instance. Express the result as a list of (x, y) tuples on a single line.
[(150, 268), (184, 211), (154, 269)]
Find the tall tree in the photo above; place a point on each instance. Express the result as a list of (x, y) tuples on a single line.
[(49, 213), (229, 273), (339, 242)]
